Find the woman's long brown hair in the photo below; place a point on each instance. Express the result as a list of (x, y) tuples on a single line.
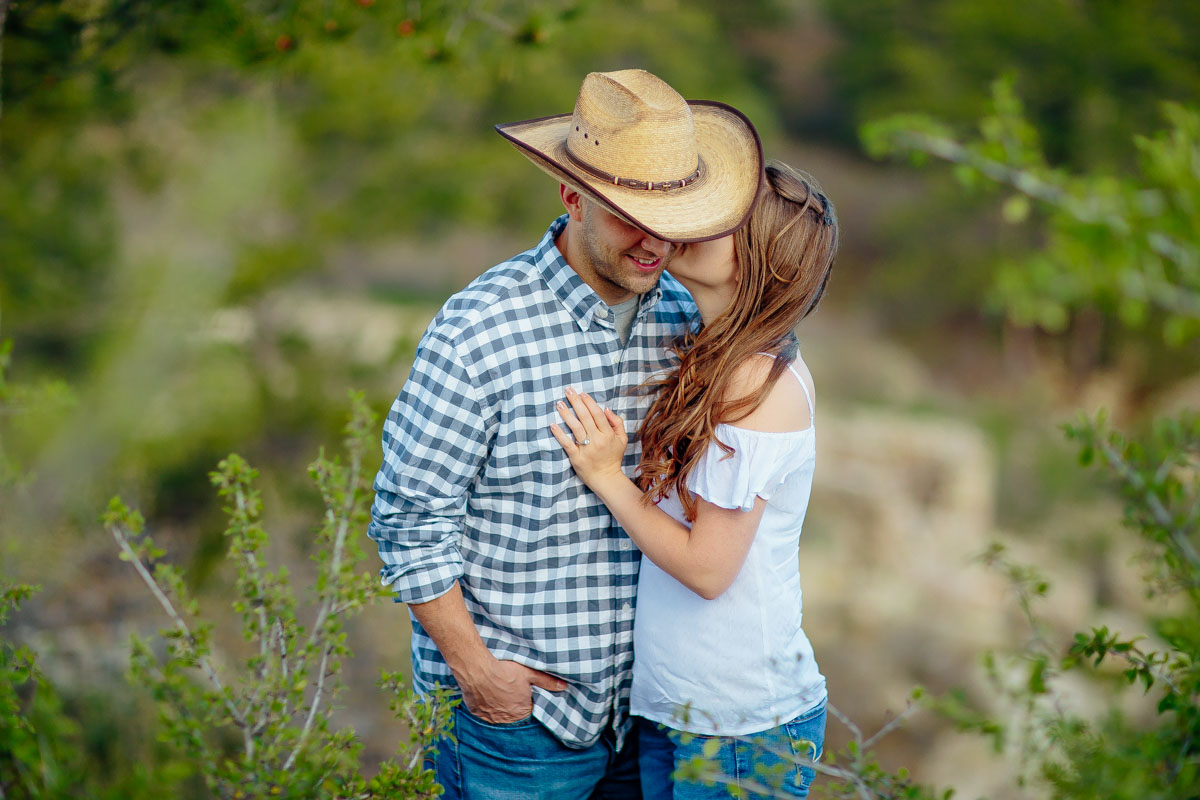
[(784, 255)]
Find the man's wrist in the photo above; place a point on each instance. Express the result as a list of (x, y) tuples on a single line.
[(470, 668), (449, 623)]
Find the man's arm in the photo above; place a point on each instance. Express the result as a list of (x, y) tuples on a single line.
[(494, 690), (434, 445)]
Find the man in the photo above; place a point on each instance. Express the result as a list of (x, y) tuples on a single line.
[(520, 584)]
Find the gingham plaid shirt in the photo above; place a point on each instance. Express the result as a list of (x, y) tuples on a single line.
[(475, 489)]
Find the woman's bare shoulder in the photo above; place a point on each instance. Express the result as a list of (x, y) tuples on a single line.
[(785, 407)]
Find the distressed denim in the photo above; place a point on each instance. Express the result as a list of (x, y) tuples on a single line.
[(686, 766)]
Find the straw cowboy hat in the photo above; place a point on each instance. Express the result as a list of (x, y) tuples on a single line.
[(681, 171)]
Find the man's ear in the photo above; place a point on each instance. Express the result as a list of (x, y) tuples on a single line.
[(572, 200)]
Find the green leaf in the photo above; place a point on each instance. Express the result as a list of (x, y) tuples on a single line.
[(1015, 209), (1037, 676)]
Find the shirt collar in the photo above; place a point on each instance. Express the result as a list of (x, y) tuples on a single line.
[(580, 301)]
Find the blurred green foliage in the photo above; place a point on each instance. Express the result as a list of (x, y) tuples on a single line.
[(1092, 73), (303, 122), (50, 749), (265, 729), (1124, 245), (35, 759), (1091, 76), (1129, 244)]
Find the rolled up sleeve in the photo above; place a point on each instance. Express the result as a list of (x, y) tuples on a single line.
[(434, 445)]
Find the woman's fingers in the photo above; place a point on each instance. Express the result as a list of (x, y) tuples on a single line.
[(618, 424), (596, 413), (587, 421), (566, 441), (579, 404), (572, 422)]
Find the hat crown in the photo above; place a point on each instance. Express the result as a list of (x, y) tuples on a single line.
[(632, 124)]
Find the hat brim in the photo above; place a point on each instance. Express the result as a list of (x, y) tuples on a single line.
[(716, 204)]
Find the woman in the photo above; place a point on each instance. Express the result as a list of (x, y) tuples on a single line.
[(728, 450)]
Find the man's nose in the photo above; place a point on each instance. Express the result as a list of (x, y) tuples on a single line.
[(657, 246)]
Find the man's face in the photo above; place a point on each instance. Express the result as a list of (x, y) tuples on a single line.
[(619, 259)]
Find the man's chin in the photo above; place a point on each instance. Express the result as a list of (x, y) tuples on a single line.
[(642, 283)]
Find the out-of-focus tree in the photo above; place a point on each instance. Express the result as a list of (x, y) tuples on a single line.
[(376, 117), (1092, 75), (265, 730), (1129, 243), (1126, 246)]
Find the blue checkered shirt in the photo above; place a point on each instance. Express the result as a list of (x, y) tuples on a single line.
[(475, 489)]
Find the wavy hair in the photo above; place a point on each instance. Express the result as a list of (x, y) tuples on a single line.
[(784, 255)]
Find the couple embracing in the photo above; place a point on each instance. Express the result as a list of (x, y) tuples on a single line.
[(583, 435)]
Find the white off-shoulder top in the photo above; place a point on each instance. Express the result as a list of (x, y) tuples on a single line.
[(741, 663)]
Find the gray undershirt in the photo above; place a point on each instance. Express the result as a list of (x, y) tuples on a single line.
[(623, 314)]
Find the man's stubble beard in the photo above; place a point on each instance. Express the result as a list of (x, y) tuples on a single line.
[(611, 265)]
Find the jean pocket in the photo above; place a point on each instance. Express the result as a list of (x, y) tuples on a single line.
[(525, 721), (807, 737)]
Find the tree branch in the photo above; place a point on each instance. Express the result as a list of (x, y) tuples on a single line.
[(1089, 211), (1158, 511), (889, 727), (328, 605), (855, 731), (180, 624)]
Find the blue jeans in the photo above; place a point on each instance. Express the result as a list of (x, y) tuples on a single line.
[(758, 763), (524, 761)]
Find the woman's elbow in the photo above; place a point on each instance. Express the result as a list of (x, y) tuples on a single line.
[(710, 586)]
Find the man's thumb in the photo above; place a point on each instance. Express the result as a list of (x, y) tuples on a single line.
[(547, 682)]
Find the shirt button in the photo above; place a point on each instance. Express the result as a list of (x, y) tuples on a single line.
[(602, 312), (616, 358)]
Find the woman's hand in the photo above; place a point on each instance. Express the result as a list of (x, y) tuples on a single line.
[(596, 442)]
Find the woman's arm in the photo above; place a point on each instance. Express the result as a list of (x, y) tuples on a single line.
[(707, 558)]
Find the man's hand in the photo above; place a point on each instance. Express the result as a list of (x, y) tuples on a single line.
[(494, 690), (503, 691)]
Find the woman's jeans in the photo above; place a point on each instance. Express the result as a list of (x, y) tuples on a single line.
[(766, 764), (524, 761)]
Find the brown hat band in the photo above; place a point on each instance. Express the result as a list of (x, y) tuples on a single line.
[(633, 183)]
